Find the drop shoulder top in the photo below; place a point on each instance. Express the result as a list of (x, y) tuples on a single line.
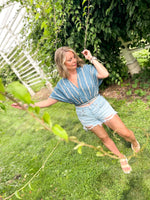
[(88, 87)]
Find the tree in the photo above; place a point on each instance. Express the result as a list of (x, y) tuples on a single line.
[(111, 25), (99, 25)]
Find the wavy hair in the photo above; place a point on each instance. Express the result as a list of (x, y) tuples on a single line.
[(60, 60)]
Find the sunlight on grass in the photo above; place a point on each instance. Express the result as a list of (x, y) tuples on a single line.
[(142, 56)]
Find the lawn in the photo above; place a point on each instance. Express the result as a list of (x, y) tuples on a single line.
[(68, 175)]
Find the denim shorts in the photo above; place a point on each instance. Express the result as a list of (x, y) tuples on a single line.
[(97, 113)]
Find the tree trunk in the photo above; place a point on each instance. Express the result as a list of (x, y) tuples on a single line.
[(131, 62)]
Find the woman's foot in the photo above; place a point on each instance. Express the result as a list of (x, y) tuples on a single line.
[(124, 165), (135, 148)]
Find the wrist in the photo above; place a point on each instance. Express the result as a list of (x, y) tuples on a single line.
[(92, 58), (25, 106)]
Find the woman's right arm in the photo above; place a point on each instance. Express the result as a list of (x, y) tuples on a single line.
[(42, 104), (46, 103)]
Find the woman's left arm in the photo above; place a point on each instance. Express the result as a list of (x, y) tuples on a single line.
[(102, 71)]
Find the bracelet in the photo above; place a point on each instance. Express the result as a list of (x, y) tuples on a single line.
[(26, 106), (93, 58)]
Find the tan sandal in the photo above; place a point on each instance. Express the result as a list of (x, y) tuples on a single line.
[(137, 148), (125, 166)]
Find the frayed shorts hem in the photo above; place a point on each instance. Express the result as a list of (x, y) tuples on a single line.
[(97, 113), (86, 128)]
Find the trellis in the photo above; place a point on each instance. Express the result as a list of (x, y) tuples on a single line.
[(20, 60)]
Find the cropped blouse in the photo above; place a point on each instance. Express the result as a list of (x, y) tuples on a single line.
[(88, 87)]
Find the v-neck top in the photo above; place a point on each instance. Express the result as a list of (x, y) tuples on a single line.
[(88, 87)]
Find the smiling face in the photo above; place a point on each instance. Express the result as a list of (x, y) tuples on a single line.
[(70, 61)]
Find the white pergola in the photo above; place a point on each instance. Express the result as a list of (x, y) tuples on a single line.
[(20, 60)]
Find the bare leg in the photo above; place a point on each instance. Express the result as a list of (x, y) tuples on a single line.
[(118, 126), (107, 141)]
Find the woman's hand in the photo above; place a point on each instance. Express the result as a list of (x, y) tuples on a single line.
[(16, 105), (102, 71), (87, 54)]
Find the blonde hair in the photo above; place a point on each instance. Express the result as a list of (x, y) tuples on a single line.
[(60, 60)]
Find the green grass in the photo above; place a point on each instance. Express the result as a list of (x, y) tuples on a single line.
[(24, 146)]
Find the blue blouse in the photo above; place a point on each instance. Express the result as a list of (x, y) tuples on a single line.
[(88, 87)]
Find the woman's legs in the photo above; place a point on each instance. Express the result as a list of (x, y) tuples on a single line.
[(107, 141), (118, 126)]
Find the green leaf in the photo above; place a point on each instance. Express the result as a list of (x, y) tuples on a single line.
[(17, 195), (46, 32), (31, 1), (19, 91), (110, 8), (73, 137), (148, 97), (30, 187), (44, 25), (79, 148), (47, 119), (37, 109), (2, 89), (2, 98), (59, 131), (2, 106), (31, 109), (84, 8), (37, 16), (134, 85), (129, 92), (2, 132), (84, 14), (83, 2), (48, 10), (37, 5), (99, 154), (76, 12)]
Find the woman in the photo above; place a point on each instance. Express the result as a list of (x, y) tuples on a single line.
[(80, 86)]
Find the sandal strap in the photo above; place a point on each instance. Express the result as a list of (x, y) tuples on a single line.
[(125, 166), (123, 159), (136, 149)]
